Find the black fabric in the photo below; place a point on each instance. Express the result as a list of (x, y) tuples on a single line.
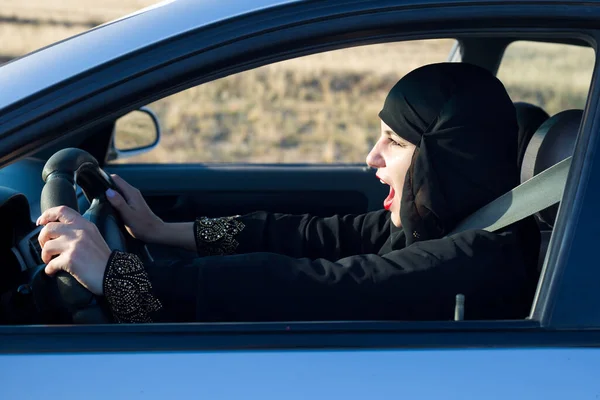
[(529, 119), (330, 238), (362, 266), (415, 283), (464, 125)]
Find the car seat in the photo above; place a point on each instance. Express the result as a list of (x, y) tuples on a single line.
[(553, 142), (529, 119)]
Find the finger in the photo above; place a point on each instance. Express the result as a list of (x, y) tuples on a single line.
[(128, 191), (61, 214), (53, 248), (52, 230), (57, 264), (118, 202)]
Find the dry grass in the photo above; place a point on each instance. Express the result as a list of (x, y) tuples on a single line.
[(323, 108), (553, 76), (27, 25), (82, 11), (320, 108)]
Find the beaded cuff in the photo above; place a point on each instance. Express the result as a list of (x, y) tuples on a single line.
[(216, 236), (128, 290)]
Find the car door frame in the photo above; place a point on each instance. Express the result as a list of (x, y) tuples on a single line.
[(559, 312)]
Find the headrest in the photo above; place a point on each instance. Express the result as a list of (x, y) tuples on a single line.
[(552, 142), (529, 119)]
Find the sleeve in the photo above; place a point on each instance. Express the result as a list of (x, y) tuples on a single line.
[(128, 290), (419, 282), (293, 235)]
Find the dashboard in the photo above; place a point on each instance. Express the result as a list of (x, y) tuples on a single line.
[(21, 186), (25, 176)]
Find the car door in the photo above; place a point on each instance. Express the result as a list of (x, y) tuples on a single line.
[(553, 354), (184, 192)]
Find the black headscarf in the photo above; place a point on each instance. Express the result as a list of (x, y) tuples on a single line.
[(464, 125)]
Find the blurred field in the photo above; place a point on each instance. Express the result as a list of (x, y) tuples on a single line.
[(27, 25), (323, 108), (320, 108)]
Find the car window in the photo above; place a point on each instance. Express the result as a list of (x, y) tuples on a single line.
[(553, 76), (320, 108)]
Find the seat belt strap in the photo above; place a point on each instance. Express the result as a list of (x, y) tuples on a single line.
[(536, 194)]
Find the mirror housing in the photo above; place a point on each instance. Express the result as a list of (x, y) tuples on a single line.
[(134, 133)]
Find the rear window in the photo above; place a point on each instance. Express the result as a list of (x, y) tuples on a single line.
[(553, 76)]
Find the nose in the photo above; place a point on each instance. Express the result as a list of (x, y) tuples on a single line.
[(375, 158)]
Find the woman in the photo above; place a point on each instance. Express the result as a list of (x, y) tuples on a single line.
[(448, 146)]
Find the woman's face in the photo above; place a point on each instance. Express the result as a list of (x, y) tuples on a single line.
[(392, 156)]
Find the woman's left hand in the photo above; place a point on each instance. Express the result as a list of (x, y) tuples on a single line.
[(76, 245)]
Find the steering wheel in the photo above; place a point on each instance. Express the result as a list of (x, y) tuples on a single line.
[(62, 294)]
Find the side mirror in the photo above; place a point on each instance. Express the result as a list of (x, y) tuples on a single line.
[(134, 133)]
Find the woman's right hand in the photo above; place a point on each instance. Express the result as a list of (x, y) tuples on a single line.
[(140, 221)]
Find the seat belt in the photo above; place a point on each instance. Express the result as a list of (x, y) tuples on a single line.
[(534, 195)]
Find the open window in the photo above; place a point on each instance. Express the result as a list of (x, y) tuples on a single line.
[(321, 109), (315, 109)]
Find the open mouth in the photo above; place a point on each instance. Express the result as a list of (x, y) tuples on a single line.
[(387, 203)]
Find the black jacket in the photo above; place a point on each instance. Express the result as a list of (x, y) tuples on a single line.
[(351, 268)]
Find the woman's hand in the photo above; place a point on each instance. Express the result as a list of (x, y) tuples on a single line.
[(73, 244), (140, 221)]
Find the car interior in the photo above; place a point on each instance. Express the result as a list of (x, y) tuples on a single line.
[(176, 192)]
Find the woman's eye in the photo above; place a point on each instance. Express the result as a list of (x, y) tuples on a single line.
[(394, 143)]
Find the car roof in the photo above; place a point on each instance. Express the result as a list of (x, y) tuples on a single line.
[(60, 61)]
